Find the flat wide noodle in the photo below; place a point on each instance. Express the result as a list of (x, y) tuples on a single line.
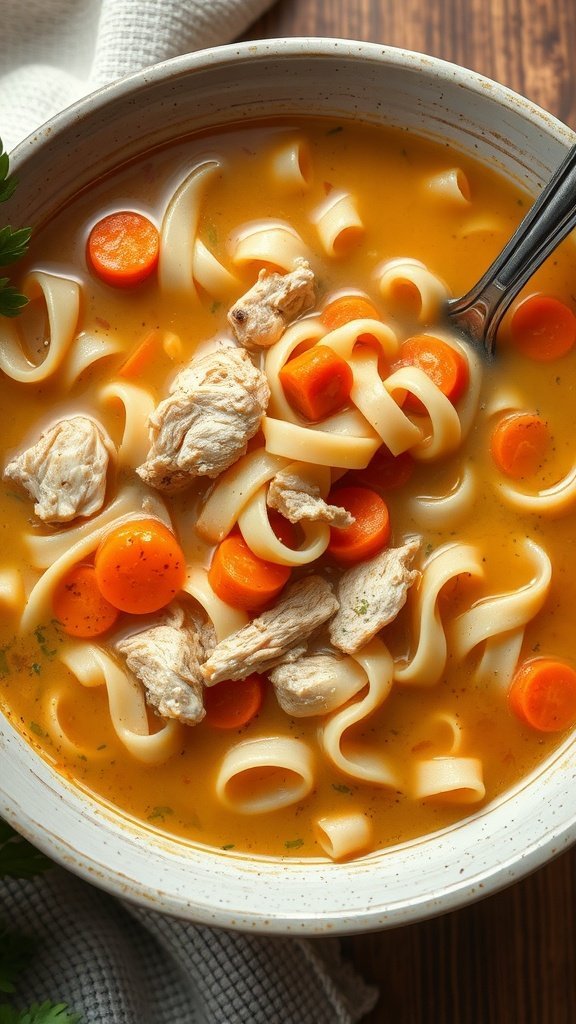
[(427, 664), (225, 619), (138, 404), (503, 613), (308, 444), (366, 765), (268, 242), (343, 835), (337, 219), (260, 537), (62, 300), (93, 667), (233, 490), (179, 228), (446, 432), (265, 774), (449, 779), (444, 511)]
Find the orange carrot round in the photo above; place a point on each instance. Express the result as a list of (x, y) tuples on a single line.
[(243, 580), (123, 248), (79, 606), (386, 471), (543, 694), (233, 702), (519, 444), (347, 308), (370, 531), (445, 366), (140, 566), (543, 328), (317, 382)]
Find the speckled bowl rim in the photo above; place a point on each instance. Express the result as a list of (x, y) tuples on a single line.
[(515, 834)]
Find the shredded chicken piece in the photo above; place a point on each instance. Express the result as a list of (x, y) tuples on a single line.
[(297, 499), (312, 686), (214, 407), (166, 658), (65, 471), (269, 639), (371, 595), (260, 317)]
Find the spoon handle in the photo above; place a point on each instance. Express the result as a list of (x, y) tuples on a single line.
[(547, 222)]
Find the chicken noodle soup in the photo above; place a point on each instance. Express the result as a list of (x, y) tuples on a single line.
[(284, 567)]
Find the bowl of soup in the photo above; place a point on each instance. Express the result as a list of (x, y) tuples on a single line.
[(287, 565)]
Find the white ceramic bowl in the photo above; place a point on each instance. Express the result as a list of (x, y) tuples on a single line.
[(504, 840)]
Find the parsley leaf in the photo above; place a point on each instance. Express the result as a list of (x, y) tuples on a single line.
[(13, 243), (18, 858), (39, 1013)]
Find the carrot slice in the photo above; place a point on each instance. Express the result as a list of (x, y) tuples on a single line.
[(543, 694), (519, 444), (123, 248), (347, 308), (140, 566), (141, 357), (317, 382), (243, 580), (445, 366), (79, 606), (233, 702), (385, 471), (370, 531), (543, 328)]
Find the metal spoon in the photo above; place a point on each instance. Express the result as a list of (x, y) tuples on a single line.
[(478, 313)]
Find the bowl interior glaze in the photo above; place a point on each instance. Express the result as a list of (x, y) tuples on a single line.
[(504, 840)]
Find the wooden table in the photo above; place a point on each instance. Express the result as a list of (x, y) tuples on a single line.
[(511, 958)]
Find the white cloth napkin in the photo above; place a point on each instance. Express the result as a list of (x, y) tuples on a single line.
[(115, 963), (52, 52)]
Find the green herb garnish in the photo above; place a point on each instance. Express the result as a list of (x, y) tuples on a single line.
[(13, 244), (19, 859), (293, 844)]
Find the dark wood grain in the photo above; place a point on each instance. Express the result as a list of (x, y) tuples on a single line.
[(510, 959)]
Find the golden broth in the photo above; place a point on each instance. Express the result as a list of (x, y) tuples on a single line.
[(385, 170)]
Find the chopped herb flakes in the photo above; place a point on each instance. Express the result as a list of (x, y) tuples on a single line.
[(341, 787), (334, 131), (293, 844), (36, 729), (159, 813), (362, 607), (228, 846)]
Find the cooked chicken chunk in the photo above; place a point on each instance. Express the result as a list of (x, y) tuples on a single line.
[(65, 471), (215, 406), (297, 499), (166, 658), (371, 595), (267, 640), (261, 316), (316, 685)]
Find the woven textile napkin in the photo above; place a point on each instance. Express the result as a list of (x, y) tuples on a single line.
[(116, 963)]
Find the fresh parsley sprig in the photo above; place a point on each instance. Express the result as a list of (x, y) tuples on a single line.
[(19, 859), (13, 244)]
